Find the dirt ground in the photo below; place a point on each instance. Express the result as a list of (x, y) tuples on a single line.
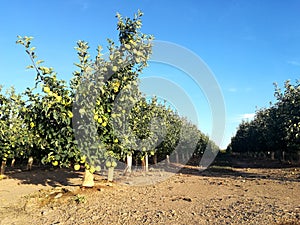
[(234, 192)]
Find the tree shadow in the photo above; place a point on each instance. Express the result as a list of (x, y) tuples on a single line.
[(45, 175), (228, 166), (224, 166)]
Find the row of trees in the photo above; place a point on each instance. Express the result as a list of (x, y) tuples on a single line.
[(274, 131), (100, 118)]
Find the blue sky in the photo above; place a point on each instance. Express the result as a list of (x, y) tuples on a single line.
[(248, 45)]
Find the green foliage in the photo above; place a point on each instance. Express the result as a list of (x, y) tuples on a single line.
[(79, 199), (98, 84), (276, 128), (100, 117), (15, 138), (49, 114), (173, 132), (288, 114)]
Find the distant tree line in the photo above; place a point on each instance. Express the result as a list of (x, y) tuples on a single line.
[(275, 131)]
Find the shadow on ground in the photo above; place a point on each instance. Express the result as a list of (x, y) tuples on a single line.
[(237, 167), (224, 166), (45, 176)]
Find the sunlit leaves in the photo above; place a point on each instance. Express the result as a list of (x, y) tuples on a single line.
[(275, 128), (49, 116), (14, 134), (102, 103)]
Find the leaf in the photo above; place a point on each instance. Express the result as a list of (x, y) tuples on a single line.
[(30, 67), (39, 62)]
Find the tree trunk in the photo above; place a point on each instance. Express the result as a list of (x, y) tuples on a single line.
[(143, 164), (13, 162), (128, 168), (88, 179), (3, 165), (176, 157), (136, 163), (188, 156), (129, 162), (183, 157), (167, 159), (283, 156), (30, 162), (155, 159), (273, 155), (146, 163), (110, 175)]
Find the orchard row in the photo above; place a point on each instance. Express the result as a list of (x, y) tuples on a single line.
[(100, 117), (275, 131)]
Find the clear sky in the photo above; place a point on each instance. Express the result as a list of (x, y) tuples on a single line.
[(248, 45)]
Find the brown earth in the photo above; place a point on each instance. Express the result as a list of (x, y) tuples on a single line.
[(232, 191)]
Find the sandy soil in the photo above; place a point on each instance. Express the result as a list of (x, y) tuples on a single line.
[(242, 193)]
